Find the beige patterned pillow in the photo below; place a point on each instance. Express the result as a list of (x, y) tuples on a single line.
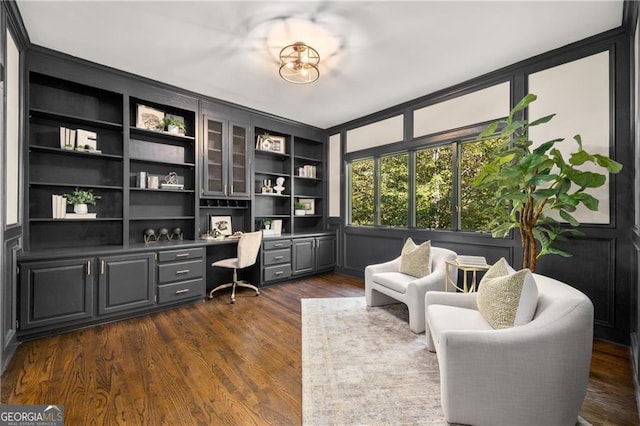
[(416, 260), (506, 298)]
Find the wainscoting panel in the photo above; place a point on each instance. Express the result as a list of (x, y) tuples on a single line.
[(590, 270)]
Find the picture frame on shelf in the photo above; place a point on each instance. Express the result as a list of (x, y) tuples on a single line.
[(309, 205), (271, 143), (222, 224), (149, 118)]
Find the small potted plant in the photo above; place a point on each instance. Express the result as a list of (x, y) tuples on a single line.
[(80, 198), (266, 223), (299, 208), (173, 125)]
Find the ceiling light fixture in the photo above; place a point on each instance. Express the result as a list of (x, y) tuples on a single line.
[(299, 63)]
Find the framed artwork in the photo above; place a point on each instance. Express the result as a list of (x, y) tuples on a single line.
[(267, 142), (149, 118), (309, 205), (221, 224)]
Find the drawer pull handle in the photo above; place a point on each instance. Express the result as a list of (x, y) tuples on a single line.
[(278, 245), (182, 255), (278, 257), (185, 290), (279, 273), (182, 271)]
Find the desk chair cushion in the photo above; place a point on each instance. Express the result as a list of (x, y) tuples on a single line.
[(227, 263), (248, 248)]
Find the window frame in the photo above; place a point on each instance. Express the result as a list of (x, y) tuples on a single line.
[(453, 138)]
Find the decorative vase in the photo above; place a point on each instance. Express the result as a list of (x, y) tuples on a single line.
[(80, 208), (300, 212)]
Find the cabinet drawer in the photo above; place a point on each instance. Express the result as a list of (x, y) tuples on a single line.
[(277, 272), (278, 244), (179, 271), (181, 290), (274, 257), (173, 255)]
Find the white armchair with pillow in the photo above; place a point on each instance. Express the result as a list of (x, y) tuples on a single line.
[(516, 352), (407, 278)]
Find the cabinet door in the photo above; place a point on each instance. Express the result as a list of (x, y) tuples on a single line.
[(303, 255), (325, 253), (215, 157), (239, 161), (53, 292), (126, 283), (9, 299)]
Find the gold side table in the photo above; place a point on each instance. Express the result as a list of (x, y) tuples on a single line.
[(465, 269)]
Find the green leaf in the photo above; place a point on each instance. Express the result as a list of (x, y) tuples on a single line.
[(578, 139), (542, 178), (541, 120), (524, 102), (612, 166), (580, 157), (566, 216), (545, 146), (589, 201), (587, 179), (542, 193), (489, 130), (512, 127), (502, 230)]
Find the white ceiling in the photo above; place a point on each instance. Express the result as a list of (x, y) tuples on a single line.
[(374, 54)]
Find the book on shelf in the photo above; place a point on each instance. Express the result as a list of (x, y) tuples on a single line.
[(472, 261), (58, 206), (172, 186), (80, 216), (67, 138)]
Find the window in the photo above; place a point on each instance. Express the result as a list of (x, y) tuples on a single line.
[(362, 192), (477, 209), (434, 184), (394, 190), (443, 193)]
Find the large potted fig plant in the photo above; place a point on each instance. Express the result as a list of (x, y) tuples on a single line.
[(537, 185)]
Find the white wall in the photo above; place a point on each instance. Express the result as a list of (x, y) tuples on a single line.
[(13, 108), (376, 134), (477, 107), (578, 92), (335, 160)]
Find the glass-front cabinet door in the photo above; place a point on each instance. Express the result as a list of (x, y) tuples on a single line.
[(226, 159), (214, 167)]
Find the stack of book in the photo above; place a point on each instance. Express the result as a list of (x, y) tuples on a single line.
[(472, 261), (58, 206)]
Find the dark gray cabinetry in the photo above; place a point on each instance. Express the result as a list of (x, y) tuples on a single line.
[(226, 159), (54, 292), (313, 254), (303, 256), (276, 260), (180, 275), (125, 283), (296, 256)]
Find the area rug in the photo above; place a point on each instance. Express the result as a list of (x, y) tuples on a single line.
[(363, 366)]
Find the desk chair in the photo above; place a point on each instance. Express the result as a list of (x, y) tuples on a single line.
[(248, 247)]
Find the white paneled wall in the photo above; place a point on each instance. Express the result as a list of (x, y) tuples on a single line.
[(578, 92), (477, 107), (375, 134), (335, 160)]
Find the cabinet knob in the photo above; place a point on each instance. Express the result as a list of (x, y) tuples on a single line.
[(278, 273), (278, 257), (182, 271), (182, 255), (184, 290)]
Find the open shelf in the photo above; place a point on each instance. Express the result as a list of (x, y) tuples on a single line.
[(35, 112), (70, 152)]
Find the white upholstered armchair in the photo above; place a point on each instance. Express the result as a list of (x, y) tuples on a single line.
[(384, 284), (532, 374)]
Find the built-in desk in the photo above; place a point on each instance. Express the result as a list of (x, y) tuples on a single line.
[(66, 289)]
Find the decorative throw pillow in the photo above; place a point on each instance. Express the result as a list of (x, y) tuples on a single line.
[(507, 298), (416, 260)]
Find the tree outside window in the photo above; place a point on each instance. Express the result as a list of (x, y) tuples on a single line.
[(434, 185), (362, 192), (477, 208), (394, 190)]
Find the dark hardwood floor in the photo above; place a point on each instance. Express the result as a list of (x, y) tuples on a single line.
[(214, 363)]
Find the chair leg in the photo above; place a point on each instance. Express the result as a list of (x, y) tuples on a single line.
[(233, 286)]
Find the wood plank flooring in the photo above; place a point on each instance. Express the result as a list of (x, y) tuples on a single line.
[(214, 363)]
